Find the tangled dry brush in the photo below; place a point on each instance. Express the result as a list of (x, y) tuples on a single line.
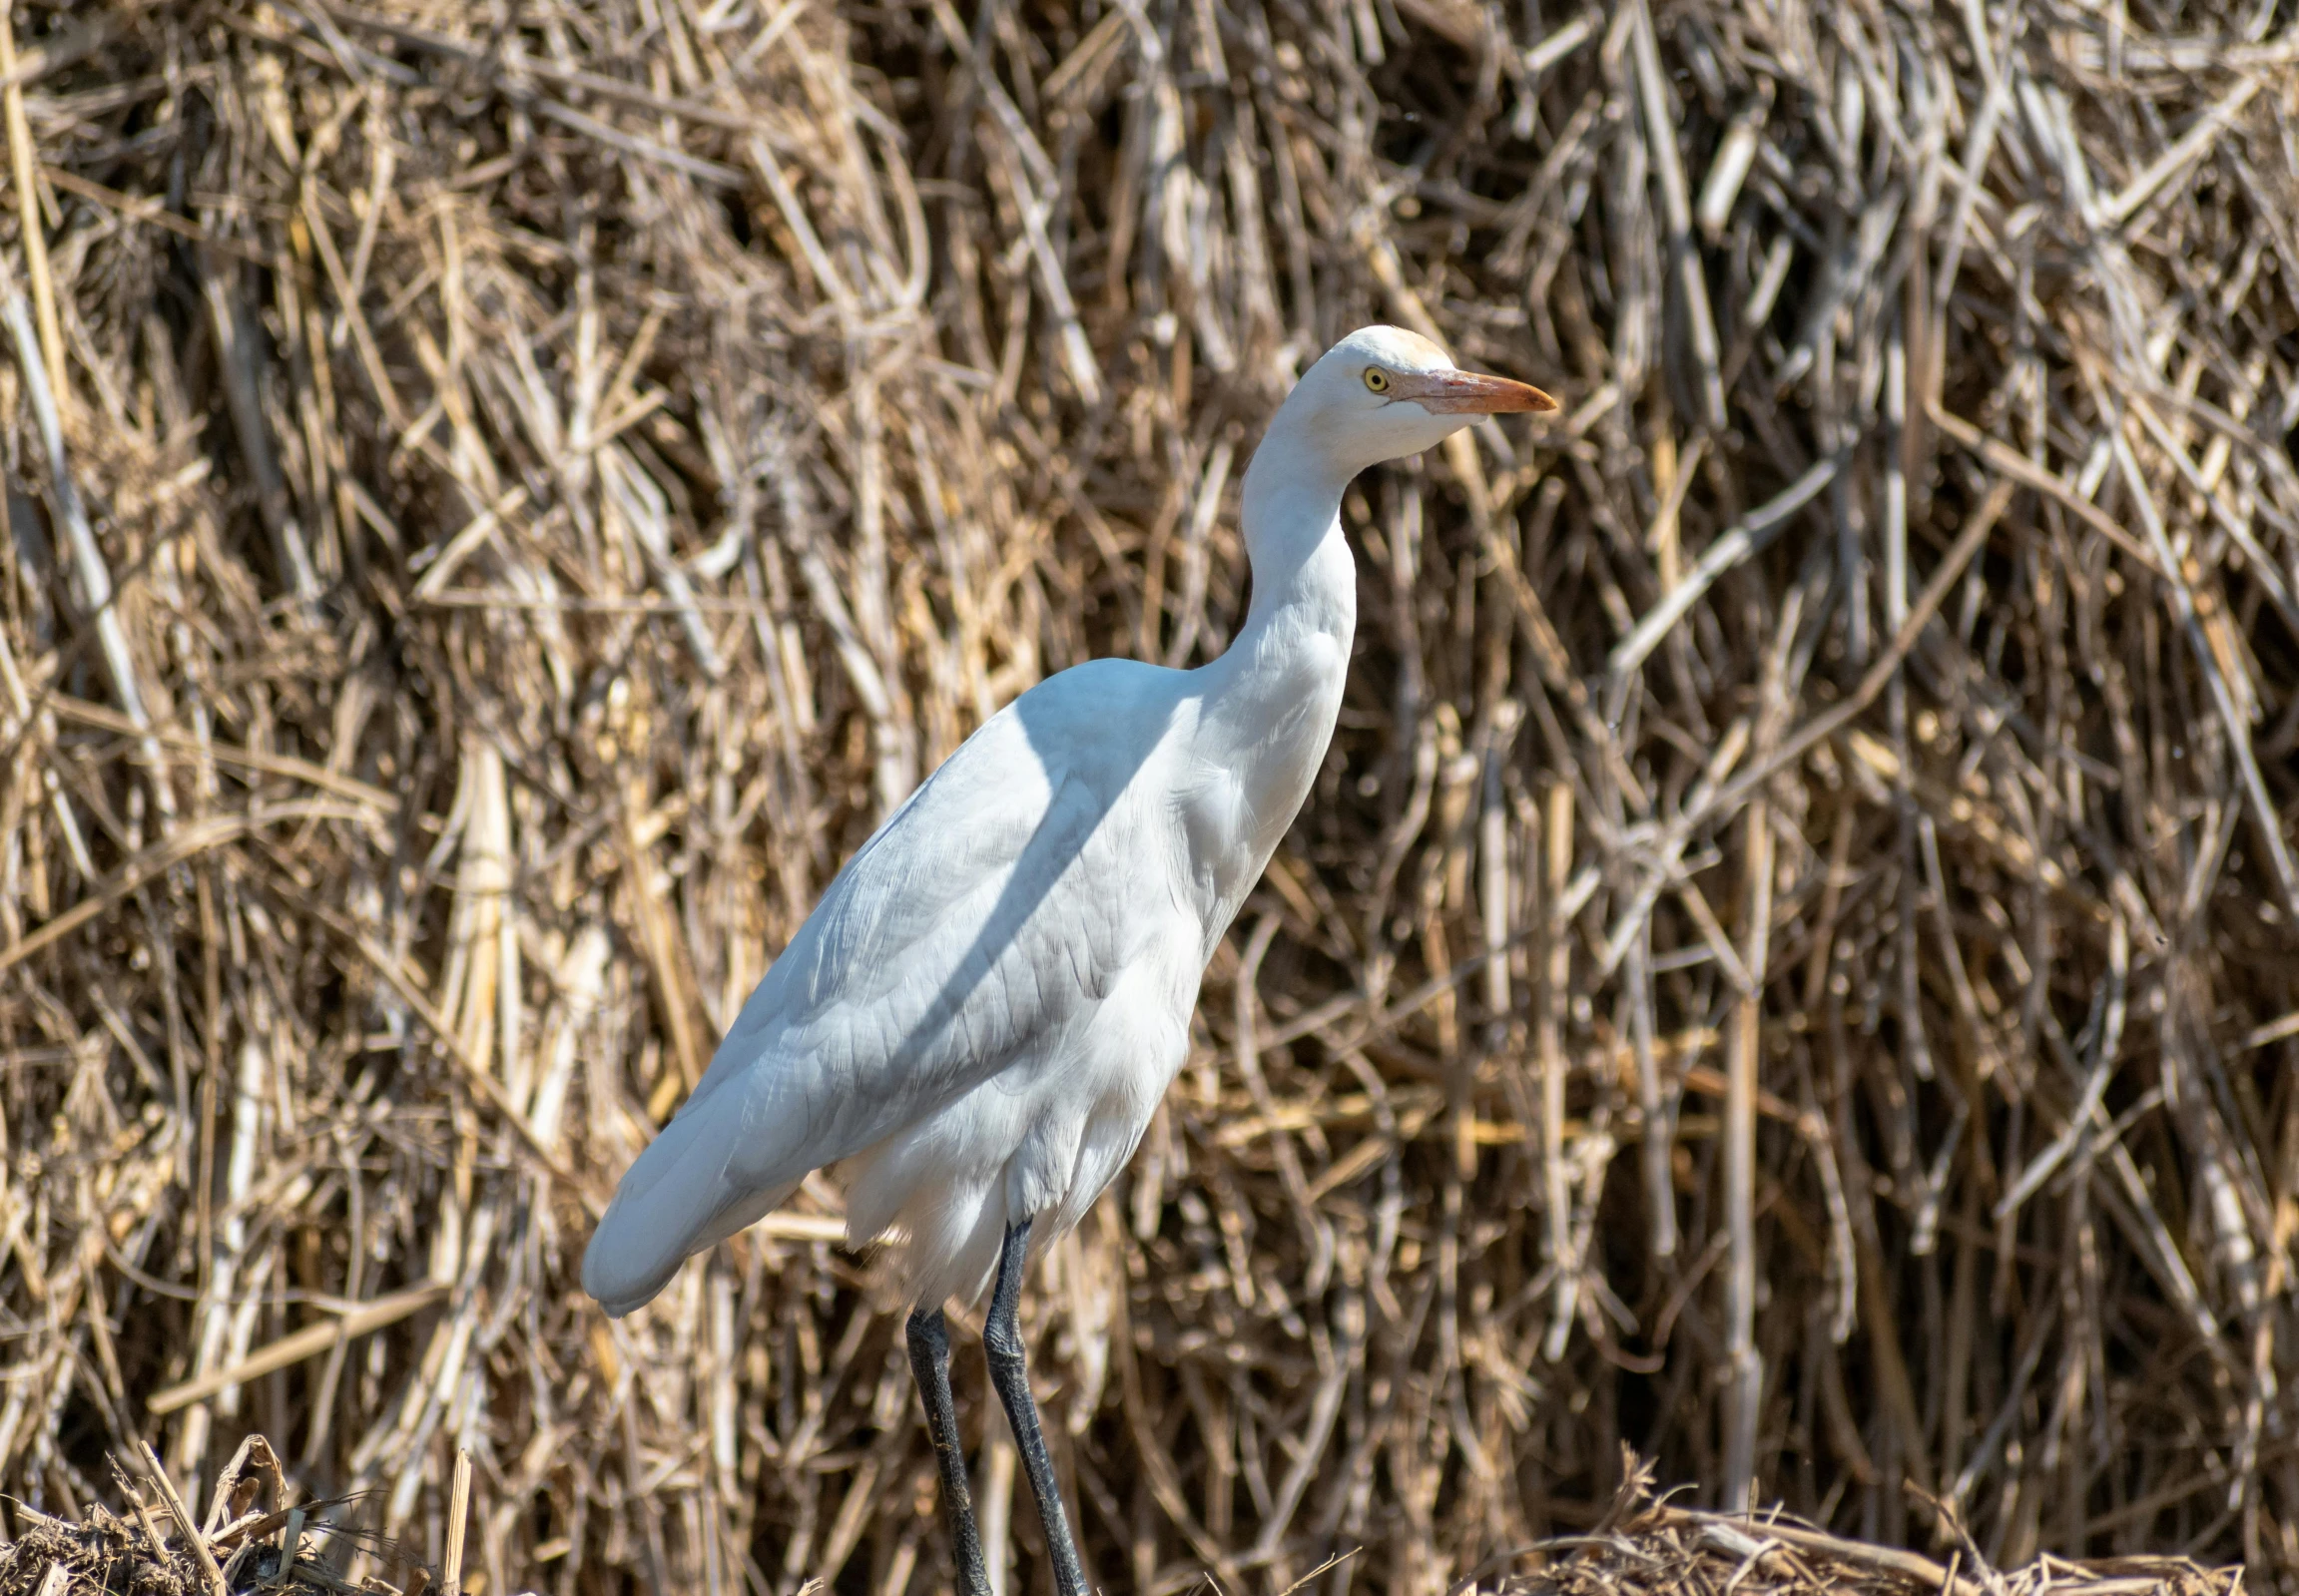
[(1790, 966)]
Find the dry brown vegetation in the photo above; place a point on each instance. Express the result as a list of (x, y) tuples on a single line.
[(1639, 1547), (1790, 967)]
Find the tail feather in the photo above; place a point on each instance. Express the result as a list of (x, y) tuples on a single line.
[(680, 1196)]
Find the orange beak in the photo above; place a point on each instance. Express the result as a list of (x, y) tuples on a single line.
[(1470, 393)]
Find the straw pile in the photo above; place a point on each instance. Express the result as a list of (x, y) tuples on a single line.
[(255, 1536), (1673, 1553), (1790, 966), (249, 1542), (1641, 1548)]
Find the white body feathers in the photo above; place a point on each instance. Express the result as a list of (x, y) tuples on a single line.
[(979, 1019), (981, 1014)]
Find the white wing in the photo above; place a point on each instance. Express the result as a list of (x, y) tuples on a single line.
[(988, 914)]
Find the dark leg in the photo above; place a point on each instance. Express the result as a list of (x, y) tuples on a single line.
[(1009, 1372), (930, 1362)]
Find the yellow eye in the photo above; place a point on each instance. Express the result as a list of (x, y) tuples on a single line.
[(1377, 380)]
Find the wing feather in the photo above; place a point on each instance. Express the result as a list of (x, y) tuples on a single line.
[(960, 938)]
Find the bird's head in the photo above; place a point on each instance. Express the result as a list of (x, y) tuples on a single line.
[(1383, 393)]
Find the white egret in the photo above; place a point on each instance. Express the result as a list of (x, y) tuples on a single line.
[(979, 1017)]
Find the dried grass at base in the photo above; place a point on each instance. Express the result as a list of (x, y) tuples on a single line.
[(1668, 1551), (257, 1535), (1641, 1548), (1805, 992)]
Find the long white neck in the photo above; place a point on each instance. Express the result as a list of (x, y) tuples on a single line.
[(1270, 701), (1290, 513)]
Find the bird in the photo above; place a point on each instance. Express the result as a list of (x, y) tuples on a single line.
[(981, 1014)]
